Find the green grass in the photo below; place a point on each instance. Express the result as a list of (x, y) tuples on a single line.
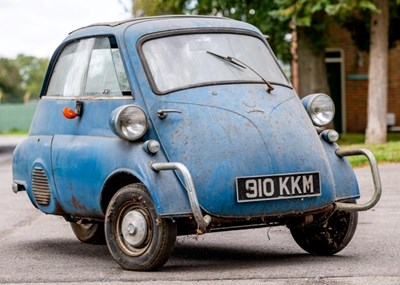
[(14, 132), (389, 152)]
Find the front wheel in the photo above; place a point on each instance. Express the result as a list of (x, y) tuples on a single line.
[(136, 237), (329, 237)]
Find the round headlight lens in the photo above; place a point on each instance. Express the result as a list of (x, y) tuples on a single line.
[(320, 108), (130, 122)]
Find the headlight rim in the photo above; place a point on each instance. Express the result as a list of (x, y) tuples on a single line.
[(116, 126), (307, 103)]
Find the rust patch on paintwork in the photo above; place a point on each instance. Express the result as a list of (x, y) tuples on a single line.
[(58, 209), (77, 204)]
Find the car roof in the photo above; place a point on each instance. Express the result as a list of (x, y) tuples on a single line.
[(148, 25)]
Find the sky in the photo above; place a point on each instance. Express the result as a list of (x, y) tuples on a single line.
[(37, 27)]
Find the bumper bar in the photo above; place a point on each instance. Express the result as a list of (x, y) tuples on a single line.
[(202, 221), (375, 177)]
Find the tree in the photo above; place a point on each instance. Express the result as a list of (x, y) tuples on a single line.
[(21, 78), (9, 82), (252, 11), (32, 71), (310, 20), (376, 32), (378, 75)]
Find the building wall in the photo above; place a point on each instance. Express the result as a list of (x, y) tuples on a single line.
[(356, 80)]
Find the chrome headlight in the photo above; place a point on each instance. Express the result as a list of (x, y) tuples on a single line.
[(320, 108), (129, 122)]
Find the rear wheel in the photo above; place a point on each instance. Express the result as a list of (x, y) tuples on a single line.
[(92, 233), (137, 238), (329, 237)]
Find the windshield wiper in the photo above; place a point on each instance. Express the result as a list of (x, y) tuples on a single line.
[(243, 65), (228, 59)]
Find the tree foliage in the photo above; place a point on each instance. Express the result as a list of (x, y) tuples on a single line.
[(315, 15), (21, 78), (10, 79), (32, 71), (276, 18), (359, 25), (252, 11)]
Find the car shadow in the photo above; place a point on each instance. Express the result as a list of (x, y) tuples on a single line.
[(203, 256), (186, 257)]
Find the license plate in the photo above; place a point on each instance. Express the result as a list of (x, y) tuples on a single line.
[(281, 186)]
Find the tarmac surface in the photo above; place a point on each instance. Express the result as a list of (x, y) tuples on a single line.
[(10, 141)]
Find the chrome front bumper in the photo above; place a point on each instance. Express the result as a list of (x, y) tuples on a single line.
[(202, 221), (375, 177)]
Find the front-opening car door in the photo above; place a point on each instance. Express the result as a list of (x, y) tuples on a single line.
[(87, 83)]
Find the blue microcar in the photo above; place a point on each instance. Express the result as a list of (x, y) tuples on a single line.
[(156, 127)]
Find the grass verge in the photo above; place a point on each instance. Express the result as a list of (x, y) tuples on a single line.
[(388, 152), (14, 132)]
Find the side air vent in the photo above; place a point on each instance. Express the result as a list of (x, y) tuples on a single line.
[(40, 186)]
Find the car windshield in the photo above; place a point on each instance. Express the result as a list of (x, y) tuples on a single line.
[(183, 61)]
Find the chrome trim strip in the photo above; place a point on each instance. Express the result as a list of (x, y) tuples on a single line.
[(202, 221), (375, 176)]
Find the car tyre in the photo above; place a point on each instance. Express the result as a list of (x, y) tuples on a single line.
[(92, 233), (137, 238), (329, 237)]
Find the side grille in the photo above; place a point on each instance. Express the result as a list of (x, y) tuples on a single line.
[(40, 186)]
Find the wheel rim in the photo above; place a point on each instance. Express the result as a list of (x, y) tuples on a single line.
[(134, 229), (86, 227)]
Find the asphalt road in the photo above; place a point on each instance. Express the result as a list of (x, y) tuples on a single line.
[(38, 248)]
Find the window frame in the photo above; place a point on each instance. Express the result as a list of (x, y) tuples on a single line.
[(55, 58), (153, 85)]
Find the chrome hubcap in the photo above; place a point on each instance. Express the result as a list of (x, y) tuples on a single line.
[(134, 228)]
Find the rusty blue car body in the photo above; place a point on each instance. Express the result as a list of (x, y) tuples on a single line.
[(195, 114)]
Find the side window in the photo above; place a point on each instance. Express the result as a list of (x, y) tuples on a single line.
[(89, 67)]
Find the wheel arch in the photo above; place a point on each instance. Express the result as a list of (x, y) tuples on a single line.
[(169, 197), (114, 182)]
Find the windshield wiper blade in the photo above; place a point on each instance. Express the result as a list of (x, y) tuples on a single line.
[(243, 65), (227, 58)]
